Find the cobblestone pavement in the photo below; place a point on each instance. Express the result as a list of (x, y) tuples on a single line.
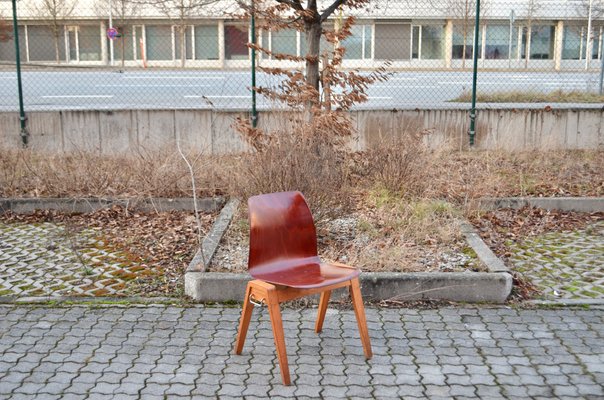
[(49, 260), (172, 352), (564, 265)]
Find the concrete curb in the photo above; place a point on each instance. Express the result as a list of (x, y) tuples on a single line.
[(86, 205), (470, 287), (579, 204), (113, 301)]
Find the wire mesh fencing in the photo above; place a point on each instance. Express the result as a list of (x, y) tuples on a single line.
[(121, 54)]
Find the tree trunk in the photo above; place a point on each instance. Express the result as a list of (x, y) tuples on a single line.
[(313, 43)]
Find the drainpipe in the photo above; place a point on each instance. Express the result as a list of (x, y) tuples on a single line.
[(472, 132)]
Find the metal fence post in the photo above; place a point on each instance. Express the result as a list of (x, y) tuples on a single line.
[(472, 132), (22, 118), (253, 28)]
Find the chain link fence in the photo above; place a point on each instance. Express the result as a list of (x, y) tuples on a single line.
[(120, 54)]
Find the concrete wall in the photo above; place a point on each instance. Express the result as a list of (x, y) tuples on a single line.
[(119, 132)]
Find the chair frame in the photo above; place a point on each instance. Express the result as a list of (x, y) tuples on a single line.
[(264, 293)]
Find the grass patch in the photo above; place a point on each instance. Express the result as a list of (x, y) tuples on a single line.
[(557, 96)]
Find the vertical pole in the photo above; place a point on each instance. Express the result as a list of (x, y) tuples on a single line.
[(111, 54), (510, 40), (253, 28), (601, 65), (472, 132), (22, 119), (588, 41)]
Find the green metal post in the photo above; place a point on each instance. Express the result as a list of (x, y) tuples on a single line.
[(22, 119), (472, 132), (254, 112)]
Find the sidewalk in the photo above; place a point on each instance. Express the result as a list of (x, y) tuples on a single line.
[(156, 352)]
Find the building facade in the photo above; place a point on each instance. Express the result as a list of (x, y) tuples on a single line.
[(556, 36)]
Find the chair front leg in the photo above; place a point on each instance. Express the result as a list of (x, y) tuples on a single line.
[(274, 310), (359, 311), (244, 322)]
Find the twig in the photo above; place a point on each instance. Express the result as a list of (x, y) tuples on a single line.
[(197, 220)]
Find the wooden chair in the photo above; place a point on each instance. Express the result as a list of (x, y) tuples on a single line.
[(284, 262)]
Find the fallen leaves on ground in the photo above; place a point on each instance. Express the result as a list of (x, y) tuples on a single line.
[(161, 242)]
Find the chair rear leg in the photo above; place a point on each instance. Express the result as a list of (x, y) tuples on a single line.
[(244, 322), (322, 310), (274, 310), (359, 311)]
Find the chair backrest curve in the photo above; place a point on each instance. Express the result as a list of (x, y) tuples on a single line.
[(281, 229)]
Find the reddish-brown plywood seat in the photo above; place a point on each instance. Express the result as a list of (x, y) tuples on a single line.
[(284, 262)]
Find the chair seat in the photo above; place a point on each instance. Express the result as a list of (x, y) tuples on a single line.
[(306, 273)]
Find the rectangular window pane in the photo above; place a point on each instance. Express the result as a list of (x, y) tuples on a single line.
[(73, 48), (542, 42), (284, 42), (393, 41), (432, 42), (368, 41), (415, 42), (188, 42), (42, 43), (138, 42), (206, 42), (465, 35), (571, 43), (89, 40), (159, 42), (7, 48), (354, 43), (497, 42), (236, 39), (122, 45)]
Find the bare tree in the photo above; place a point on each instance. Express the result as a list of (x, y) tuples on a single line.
[(531, 11), (590, 10), (307, 18), (464, 11), (56, 12), (180, 13), (122, 13)]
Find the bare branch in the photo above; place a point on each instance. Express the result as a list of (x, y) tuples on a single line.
[(295, 4), (329, 10)]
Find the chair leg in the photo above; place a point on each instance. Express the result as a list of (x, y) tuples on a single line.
[(322, 310), (274, 310), (244, 322), (359, 311)]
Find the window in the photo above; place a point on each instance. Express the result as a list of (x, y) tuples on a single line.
[(432, 42), (542, 42), (89, 39), (159, 42), (393, 41), (498, 42), (7, 48), (188, 36), (415, 33), (595, 43), (235, 42), (42, 43), (459, 38), (206, 42), (358, 44), (571, 43), (123, 45)]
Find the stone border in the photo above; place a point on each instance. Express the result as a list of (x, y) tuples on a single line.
[(471, 287), (86, 205), (579, 204)]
